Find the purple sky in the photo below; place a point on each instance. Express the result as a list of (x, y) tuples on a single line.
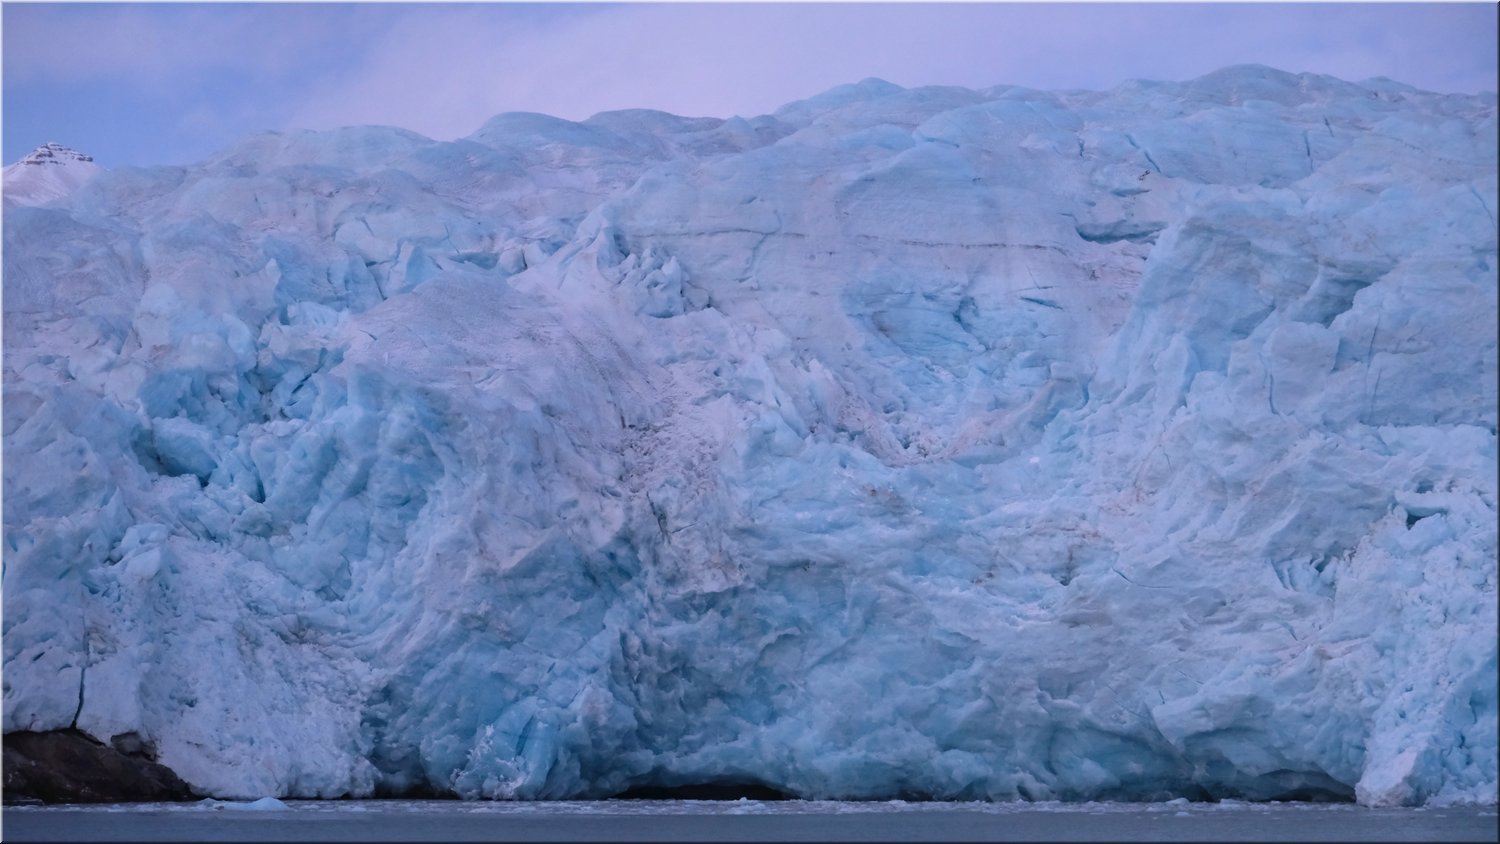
[(172, 83)]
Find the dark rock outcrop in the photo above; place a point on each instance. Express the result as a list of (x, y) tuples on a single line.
[(68, 766)]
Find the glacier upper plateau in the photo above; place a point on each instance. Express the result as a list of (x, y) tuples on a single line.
[(921, 443)]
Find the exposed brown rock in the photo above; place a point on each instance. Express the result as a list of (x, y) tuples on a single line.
[(68, 766)]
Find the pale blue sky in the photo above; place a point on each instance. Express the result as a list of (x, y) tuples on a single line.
[(172, 83)]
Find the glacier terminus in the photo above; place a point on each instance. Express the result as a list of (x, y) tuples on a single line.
[(919, 443)]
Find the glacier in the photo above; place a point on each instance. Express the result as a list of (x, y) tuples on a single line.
[(924, 443)]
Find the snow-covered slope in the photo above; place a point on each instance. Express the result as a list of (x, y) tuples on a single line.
[(966, 444), (49, 173)]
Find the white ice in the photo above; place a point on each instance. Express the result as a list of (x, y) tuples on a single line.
[(994, 444)]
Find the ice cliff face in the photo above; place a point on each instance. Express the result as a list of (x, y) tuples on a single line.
[(964, 444)]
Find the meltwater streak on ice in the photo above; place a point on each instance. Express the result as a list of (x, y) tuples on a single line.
[(963, 444)]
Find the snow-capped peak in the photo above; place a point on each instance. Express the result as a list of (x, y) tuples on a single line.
[(54, 153), (48, 173)]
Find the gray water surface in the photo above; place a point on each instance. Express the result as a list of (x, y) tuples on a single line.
[(743, 820)]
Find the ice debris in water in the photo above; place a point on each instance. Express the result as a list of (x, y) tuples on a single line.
[(264, 804), (999, 444)]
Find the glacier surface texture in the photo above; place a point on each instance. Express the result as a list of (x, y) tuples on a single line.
[(928, 442)]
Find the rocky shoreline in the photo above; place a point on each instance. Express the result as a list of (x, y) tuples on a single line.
[(70, 766)]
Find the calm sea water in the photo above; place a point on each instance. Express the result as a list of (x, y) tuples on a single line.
[(742, 820)]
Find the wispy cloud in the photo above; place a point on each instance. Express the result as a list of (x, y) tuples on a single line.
[(160, 43)]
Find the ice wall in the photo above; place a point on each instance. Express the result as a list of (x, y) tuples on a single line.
[(999, 444)]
